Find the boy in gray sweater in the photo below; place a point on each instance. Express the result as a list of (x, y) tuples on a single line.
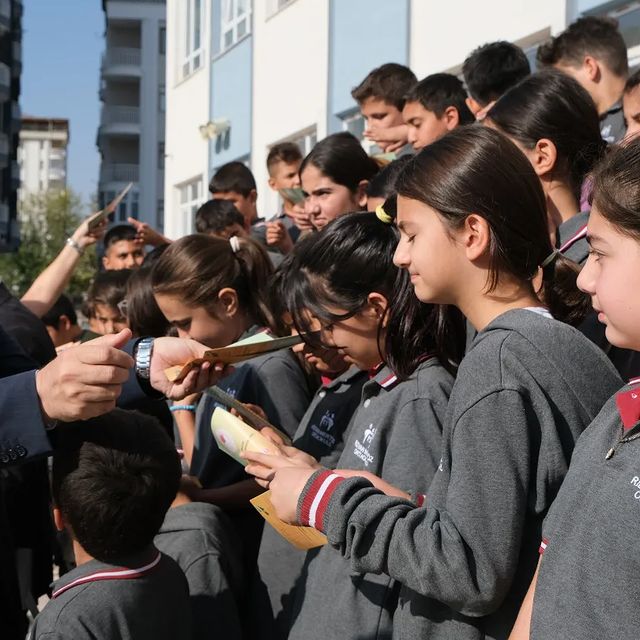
[(113, 481)]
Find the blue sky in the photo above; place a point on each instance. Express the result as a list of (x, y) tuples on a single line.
[(62, 44)]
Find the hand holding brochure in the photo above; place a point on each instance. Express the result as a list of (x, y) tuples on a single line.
[(246, 349), (234, 436)]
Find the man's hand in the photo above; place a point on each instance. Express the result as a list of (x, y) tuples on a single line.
[(85, 381), (146, 234), (171, 352)]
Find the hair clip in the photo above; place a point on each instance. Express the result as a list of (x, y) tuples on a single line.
[(550, 258), (382, 215), (235, 244)]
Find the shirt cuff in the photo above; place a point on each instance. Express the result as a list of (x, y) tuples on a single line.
[(315, 498)]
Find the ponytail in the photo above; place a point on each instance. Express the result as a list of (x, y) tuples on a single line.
[(196, 267), (560, 291)]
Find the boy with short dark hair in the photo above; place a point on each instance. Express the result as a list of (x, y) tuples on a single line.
[(283, 165), (61, 322), (122, 248), (381, 98), (433, 107), (113, 480), (592, 51), (489, 71), (104, 309), (220, 218), (631, 105)]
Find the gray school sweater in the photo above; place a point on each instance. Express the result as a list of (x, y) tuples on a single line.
[(589, 581), (396, 433), (97, 601), (523, 394), (321, 433), (199, 537)]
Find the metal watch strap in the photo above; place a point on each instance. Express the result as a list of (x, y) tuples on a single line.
[(144, 349)]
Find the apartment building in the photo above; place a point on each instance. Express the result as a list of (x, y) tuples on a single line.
[(132, 123), (10, 73), (42, 155)]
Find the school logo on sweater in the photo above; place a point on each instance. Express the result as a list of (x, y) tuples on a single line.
[(361, 449), (321, 431)]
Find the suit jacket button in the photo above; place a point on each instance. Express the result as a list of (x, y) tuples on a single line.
[(12, 454), (20, 450), (4, 458)]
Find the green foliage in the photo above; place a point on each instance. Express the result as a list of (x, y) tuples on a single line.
[(46, 221)]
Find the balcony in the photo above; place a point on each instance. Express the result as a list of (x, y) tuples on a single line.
[(119, 172), (121, 62), (5, 16), (119, 121)]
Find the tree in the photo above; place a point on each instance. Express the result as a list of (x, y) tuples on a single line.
[(46, 221)]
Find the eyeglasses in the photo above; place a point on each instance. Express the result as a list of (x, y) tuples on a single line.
[(122, 307)]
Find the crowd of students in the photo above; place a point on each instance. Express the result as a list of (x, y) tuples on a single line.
[(455, 420)]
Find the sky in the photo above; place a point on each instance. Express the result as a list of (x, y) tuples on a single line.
[(62, 44)]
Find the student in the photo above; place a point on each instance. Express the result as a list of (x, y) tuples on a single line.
[(553, 121), (283, 165), (61, 322), (235, 182), (592, 51), (122, 248), (215, 292), (489, 71), (104, 310), (144, 317), (591, 528), (199, 537), (520, 400), (383, 185), (334, 177), (114, 478), (321, 433), (395, 432), (433, 107), (221, 219), (380, 97), (631, 106)]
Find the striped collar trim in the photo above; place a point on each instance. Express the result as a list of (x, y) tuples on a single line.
[(110, 574), (389, 381), (581, 233)]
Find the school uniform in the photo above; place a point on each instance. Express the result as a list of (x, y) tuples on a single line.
[(571, 238), (275, 382), (321, 433), (396, 433), (144, 596), (199, 537), (589, 580), (522, 396)]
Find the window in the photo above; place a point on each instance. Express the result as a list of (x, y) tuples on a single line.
[(235, 22), (277, 5), (160, 215), (193, 54), (162, 98), (190, 199), (160, 155)]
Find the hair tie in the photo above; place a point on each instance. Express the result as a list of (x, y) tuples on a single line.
[(382, 215), (550, 258), (235, 244)]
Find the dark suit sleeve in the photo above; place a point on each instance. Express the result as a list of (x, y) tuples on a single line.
[(22, 430)]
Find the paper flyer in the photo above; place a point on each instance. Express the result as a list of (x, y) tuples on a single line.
[(300, 537)]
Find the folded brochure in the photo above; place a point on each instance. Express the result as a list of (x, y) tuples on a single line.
[(97, 218), (256, 345), (300, 537)]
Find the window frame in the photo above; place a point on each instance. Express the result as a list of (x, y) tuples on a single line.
[(192, 58), (231, 25)]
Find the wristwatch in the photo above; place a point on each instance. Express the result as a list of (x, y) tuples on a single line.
[(144, 349)]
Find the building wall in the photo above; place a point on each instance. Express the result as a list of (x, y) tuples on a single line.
[(133, 151), (290, 78), (187, 153)]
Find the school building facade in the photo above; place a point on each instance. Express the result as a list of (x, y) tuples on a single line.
[(243, 75)]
